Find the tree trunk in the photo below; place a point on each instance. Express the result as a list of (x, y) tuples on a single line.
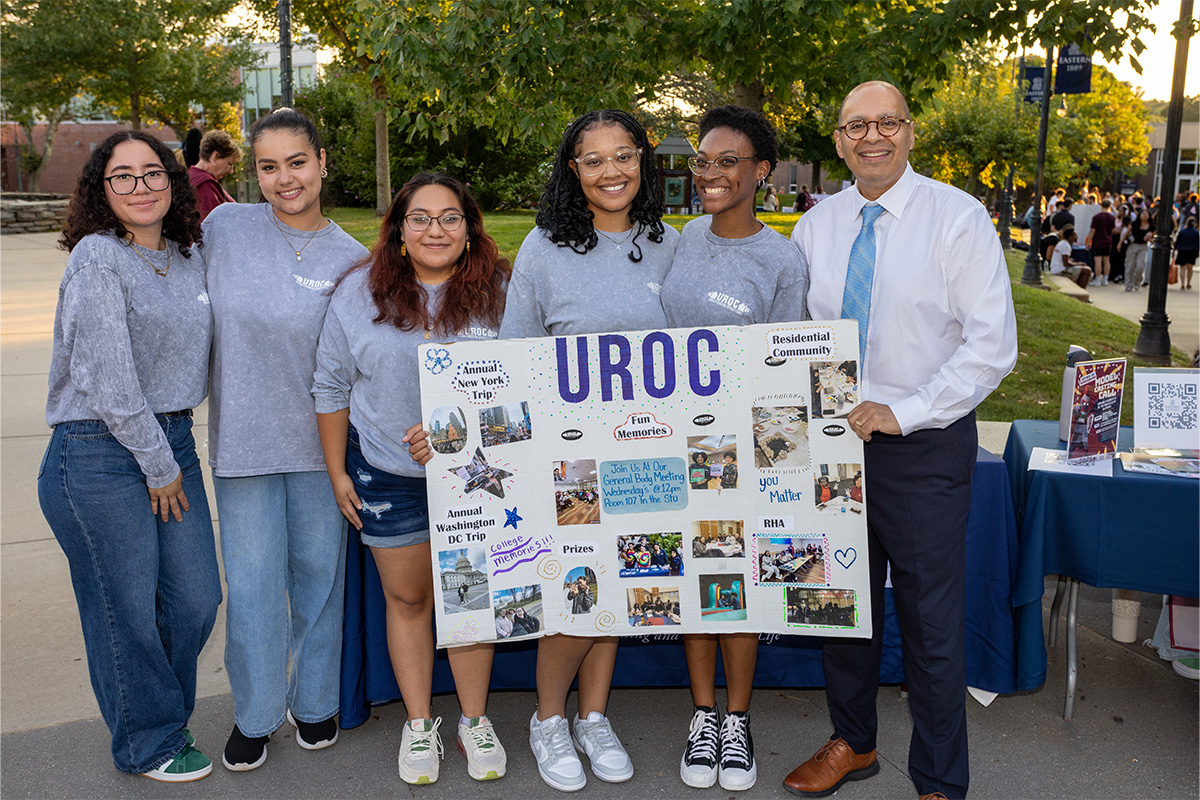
[(752, 95), (52, 123), (135, 111), (383, 173)]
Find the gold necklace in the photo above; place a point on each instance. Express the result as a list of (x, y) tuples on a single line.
[(162, 273), (289, 241)]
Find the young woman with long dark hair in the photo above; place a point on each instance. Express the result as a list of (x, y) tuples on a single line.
[(433, 275), (594, 263), (270, 270), (729, 269), (120, 483)]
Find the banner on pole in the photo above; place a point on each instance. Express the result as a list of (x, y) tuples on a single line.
[(1073, 72), (1035, 82), (678, 481)]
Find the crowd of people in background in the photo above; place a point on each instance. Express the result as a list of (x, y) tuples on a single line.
[(1104, 239)]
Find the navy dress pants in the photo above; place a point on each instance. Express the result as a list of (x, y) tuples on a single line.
[(918, 493)]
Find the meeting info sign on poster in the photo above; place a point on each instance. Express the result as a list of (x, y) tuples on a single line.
[(677, 481)]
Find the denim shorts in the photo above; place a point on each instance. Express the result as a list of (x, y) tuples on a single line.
[(394, 509)]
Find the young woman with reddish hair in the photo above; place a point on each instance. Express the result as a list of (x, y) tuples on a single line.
[(434, 275)]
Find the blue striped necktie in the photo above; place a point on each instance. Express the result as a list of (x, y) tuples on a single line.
[(856, 297)]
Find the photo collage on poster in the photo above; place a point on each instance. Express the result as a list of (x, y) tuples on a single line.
[(647, 482)]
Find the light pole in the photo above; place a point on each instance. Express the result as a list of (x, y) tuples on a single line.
[(1032, 276), (284, 7), (1154, 340)]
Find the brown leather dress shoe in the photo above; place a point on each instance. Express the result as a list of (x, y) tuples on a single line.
[(830, 767)]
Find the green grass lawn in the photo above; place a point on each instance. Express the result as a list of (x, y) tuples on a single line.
[(1047, 321)]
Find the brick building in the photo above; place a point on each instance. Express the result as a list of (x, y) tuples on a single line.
[(73, 143)]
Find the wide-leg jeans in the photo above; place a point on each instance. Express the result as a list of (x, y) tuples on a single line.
[(147, 590), (283, 543)]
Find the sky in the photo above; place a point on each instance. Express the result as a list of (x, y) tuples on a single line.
[(1158, 59)]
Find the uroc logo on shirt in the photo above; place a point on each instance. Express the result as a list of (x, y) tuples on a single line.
[(477, 332), (732, 303), (310, 283)]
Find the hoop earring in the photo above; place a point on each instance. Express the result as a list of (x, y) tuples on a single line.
[(762, 182), (324, 172), (403, 249)]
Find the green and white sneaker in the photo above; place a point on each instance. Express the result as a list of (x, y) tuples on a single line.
[(1188, 667), (420, 751), (486, 759), (188, 765)]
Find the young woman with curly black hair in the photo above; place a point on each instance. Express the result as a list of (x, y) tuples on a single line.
[(595, 263), (436, 275), (130, 362), (729, 269), (271, 267)]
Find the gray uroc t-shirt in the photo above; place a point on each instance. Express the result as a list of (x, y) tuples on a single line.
[(555, 291), (129, 344), (372, 369), (716, 281), (267, 314)]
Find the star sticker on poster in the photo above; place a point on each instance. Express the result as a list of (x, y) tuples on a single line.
[(513, 518), (478, 474)]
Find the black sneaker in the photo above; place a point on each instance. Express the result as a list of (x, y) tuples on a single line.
[(698, 767), (243, 753), (314, 735), (738, 770)]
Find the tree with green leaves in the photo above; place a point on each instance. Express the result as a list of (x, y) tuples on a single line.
[(148, 60), (339, 24), (519, 67), (42, 61)]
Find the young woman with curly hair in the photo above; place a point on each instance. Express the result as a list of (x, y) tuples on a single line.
[(434, 275), (120, 483), (595, 263), (729, 269), (271, 267)]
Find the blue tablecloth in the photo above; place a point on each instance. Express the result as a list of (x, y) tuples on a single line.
[(1129, 531), (992, 644)]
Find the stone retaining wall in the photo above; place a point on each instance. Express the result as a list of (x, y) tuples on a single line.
[(24, 214)]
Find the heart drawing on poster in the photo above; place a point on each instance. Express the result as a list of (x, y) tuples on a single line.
[(846, 557)]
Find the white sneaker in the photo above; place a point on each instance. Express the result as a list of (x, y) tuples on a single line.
[(698, 766), (594, 736), (738, 770), (550, 741), (486, 759), (420, 751)]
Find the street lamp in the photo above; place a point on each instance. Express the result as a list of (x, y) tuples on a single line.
[(1032, 276)]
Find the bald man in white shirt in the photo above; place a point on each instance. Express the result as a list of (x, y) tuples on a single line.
[(940, 335)]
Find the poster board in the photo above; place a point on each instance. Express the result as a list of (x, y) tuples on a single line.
[(678, 481), (1096, 409)]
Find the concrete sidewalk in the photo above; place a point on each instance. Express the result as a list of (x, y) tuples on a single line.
[(1135, 731)]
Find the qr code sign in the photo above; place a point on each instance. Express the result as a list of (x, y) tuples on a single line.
[(1172, 405)]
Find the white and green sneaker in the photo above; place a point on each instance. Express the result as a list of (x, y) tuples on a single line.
[(477, 740), (420, 751), (189, 764)]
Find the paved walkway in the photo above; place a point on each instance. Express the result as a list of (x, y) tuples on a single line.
[(1134, 732)]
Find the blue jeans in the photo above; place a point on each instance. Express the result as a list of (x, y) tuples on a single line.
[(147, 590), (283, 542)]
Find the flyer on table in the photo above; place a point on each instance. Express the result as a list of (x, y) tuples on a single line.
[(1096, 409), (677, 481)]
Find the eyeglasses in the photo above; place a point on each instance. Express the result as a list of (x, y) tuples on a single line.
[(887, 126), (725, 164), (625, 160), (156, 180), (447, 222)]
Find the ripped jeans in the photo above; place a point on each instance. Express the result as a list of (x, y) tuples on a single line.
[(395, 511), (283, 542)]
